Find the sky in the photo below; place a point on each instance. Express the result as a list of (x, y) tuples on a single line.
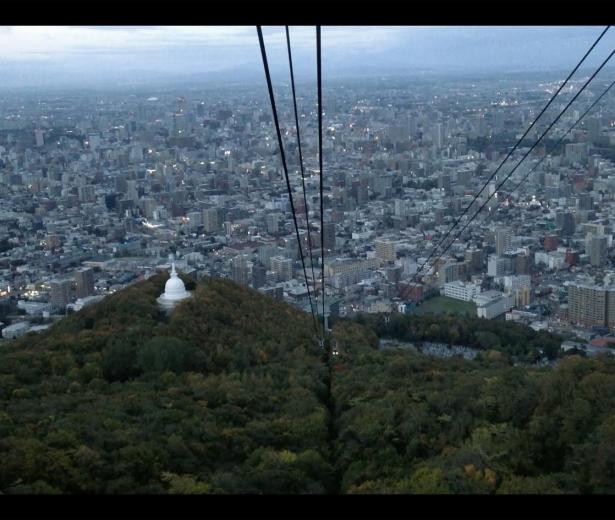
[(115, 55)]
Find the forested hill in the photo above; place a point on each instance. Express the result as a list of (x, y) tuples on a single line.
[(226, 396), (231, 394)]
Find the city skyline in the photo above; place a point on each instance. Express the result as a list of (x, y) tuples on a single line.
[(397, 276)]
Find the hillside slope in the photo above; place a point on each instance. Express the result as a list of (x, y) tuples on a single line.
[(225, 396), (232, 394)]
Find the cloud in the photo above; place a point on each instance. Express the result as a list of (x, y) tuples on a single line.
[(85, 52)]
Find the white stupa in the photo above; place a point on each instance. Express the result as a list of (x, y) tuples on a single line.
[(174, 291)]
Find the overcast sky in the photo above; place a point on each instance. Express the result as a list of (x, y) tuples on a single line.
[(31, 56)]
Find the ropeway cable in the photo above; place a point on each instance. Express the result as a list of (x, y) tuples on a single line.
[(322, 227), (283, 157), (528, 152), (307, 218), (561, 140), (456, 223)]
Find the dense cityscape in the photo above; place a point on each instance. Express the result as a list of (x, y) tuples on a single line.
[(99, 188), (383, 267)]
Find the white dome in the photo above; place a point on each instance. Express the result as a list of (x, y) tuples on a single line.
[(174, 290)]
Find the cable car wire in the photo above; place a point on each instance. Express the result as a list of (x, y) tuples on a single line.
[(456, 223), (284, 166), (307, 218), (527, 153), (322, 227), (561, 140)]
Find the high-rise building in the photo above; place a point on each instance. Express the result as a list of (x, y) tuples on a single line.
[(194, 219), (449, 272), (329, 238), (84, 282), (239, 270), (283, 267), (444, 182), (259, 275), (385, 250), (401, 207), (200, 109), (576, 152), (597, 250), (266, 253), (474, 259), (60, 294), (148, 205), (39, 136), (272, 223), (520, 287), (584, 202), (587, 305), (523, 263), (211, 220), (393, 273), (503, 239), (438, 135), (566, 221), (498, 266)]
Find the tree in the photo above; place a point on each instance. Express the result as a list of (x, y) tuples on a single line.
[(487, 340), (428, 480), (120, 361), (185, 484), (164, 353)]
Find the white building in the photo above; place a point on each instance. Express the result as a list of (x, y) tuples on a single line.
[(491, 304), (497, 266), (174, 291), (33, 308), (461, 291), (16, 330), (553, 260)]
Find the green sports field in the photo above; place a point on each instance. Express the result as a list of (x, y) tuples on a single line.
[(446, 305)]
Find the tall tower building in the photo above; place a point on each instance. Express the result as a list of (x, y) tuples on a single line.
[(585, 202), (259, 275), (385, 250), (597, 250), (239, 270), (60, 294), (503, 240), (586, 305), (84, 281), (567, 223), (272, 223), (266, 253), (211, 220), (474, 259), (39, 137), (329, 238), (200, 109), (283, 267)]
